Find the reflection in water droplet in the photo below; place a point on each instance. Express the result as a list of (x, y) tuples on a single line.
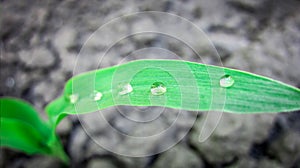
[(73, 98), (97, 95), (158, 88), (226, 81), (125, 89)]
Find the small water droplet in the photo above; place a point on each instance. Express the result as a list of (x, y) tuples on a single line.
[(97, 95), (158, 88), (226, 81), (10, 82), (73, 98), (125, 89)]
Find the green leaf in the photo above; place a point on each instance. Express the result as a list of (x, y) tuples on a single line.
[(189, 86), (21, 128), (168, 83)]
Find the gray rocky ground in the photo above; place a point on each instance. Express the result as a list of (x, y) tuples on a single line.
[(40, 41)]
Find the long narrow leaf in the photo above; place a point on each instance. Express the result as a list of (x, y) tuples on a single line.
[(21, 128), (174, 84)]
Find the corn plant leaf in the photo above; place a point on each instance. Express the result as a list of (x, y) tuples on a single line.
[(168, 83), (21, 128), (188, 85)]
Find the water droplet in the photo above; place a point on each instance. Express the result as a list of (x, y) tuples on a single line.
[(10, 82), (158, 88), (226, 81), (97, 95), (73, 98), (125, 89)]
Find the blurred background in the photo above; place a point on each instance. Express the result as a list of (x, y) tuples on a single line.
[(41, 41)]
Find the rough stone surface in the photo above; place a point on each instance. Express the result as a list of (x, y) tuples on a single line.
[(78, 141), (252, 163), (43, 161), (178, 156), (233, 135), (39, 57), (43, 43), (96, 163), (64, 127), (286, 149)]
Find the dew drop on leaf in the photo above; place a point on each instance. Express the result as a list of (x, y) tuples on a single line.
[(73, 98), (226, 81), (158, 88), (97, 95), (125, 89)]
